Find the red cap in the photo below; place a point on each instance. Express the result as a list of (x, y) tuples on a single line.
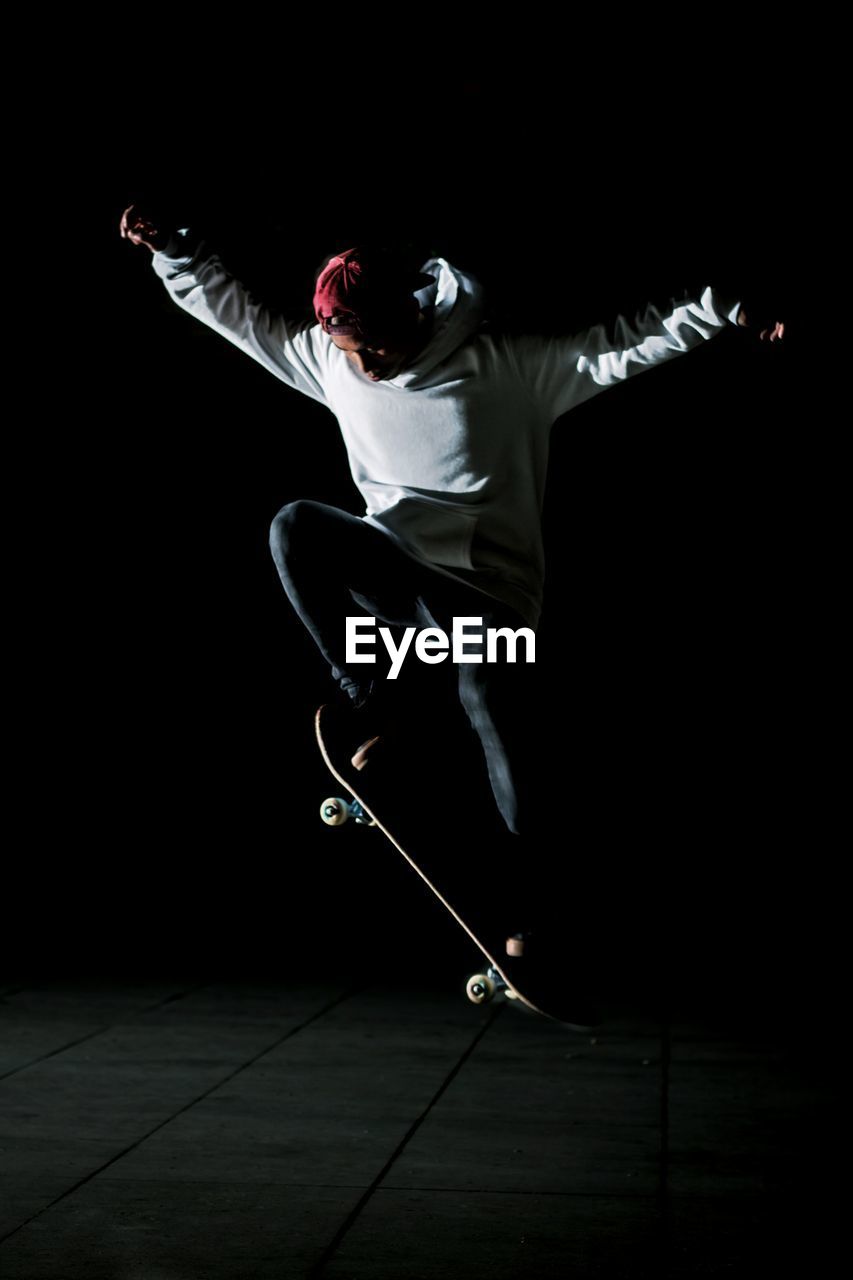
[(363, 290)]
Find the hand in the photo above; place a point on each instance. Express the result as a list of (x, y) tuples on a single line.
[(769, 331), (139, 228)]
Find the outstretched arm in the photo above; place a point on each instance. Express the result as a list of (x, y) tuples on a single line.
[(197, 281), (562, 371)]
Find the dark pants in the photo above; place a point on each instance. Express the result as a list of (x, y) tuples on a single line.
[(326, 558)]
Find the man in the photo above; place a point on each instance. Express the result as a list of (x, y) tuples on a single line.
[(446, 426)]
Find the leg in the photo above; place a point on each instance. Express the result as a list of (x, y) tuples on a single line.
[(499, 700), (502, 705), (323, 555)]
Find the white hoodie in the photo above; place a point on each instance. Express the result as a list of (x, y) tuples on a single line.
[(451, 455)]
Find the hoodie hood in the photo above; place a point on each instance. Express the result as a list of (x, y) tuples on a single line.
[(458, 302)]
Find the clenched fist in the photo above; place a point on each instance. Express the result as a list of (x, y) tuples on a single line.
[(768, 330), (140, 228)]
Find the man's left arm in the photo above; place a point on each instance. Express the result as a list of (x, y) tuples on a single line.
[(562, 371)]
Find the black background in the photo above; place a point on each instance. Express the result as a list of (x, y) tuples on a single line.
[(165, 747)]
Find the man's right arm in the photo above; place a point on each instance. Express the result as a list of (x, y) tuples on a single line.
[(198, 282)]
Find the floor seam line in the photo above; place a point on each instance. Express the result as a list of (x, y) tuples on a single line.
[(358, 1208), (181, 1110)]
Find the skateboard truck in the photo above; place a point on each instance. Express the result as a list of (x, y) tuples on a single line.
[(334, 811), (482, 987)]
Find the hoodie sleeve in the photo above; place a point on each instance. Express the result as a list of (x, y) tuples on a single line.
[(562, 371), (197, 281)]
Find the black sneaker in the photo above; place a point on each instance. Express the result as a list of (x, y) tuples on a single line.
[(360, 695)]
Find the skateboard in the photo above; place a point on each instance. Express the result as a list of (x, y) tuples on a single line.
[(371, 802)]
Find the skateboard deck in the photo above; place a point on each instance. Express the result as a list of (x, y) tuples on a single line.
[(373, 805)]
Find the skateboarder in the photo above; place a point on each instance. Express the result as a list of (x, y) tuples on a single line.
[(446, 426)]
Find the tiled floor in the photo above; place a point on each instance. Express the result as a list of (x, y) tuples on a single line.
[(174, 1131)]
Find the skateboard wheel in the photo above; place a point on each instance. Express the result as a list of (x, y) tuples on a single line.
[(334, 811), (480, 988)]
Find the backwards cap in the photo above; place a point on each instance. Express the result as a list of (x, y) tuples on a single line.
[(362, 288)]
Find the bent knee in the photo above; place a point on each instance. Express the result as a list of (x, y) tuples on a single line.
[(290, 523)]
